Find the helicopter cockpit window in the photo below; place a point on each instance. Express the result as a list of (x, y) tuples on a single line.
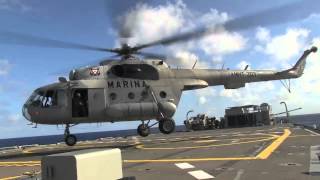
[(34, 99), (138, 71), (44, 99)]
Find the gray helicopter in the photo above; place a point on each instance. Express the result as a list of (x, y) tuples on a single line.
[(132, 89), (138, 86)]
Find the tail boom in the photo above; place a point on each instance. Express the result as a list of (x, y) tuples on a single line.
[(233, 79)]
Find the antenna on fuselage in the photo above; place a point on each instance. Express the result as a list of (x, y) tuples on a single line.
[(222, 67), (195, 63), (246, 67)]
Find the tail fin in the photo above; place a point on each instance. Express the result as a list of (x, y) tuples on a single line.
[(297, 70)]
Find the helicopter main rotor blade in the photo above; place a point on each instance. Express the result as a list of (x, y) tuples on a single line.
[(273, 16), (31, 40), (283, 14), (151, 55)]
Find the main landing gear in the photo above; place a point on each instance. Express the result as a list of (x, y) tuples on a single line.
[(166, 126), (69, 139)]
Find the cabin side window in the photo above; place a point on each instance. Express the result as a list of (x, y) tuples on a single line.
[(113, 96), (50, 99), (137, 71)]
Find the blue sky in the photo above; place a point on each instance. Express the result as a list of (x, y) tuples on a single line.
[(22, 69)]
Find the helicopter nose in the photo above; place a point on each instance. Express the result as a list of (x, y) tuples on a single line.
[(25, 112)]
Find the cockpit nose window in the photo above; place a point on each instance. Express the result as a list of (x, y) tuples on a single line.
[(35, 98), (44, 99)]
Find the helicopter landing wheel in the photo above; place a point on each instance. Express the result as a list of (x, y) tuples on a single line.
[(167, 125), (143, 130), (70, 140)]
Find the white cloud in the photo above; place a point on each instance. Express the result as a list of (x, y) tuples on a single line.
[(11, 5), (149, 23), (205, 94), (310, 80), (253, 93), (312, 19), (186, 59), (5, 67), (263, 34), (202, 99), (242, 64), (223, 43), (285, 46), (214, 17), (152, 23), (217, 60)]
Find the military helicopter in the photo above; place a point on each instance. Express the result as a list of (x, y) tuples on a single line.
[(132, 88)]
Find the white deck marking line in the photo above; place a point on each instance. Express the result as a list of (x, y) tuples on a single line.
[(312, 132), (239, 173), (259, 149), (200, 175), (184, 165), (277, 132)]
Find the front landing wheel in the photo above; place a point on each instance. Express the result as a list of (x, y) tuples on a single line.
[(70, 140), (167, 125), (143, 130)]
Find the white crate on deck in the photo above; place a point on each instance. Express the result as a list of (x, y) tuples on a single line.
[(83, 165)]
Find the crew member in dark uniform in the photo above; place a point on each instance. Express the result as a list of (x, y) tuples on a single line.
[(79, 105)]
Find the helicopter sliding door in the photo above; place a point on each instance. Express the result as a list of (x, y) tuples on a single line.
[(80, 103), (97, 105)]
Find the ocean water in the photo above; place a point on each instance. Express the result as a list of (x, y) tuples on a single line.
[(307, 120)]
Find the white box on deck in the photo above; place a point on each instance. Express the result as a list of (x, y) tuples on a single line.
[(83, 165)]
